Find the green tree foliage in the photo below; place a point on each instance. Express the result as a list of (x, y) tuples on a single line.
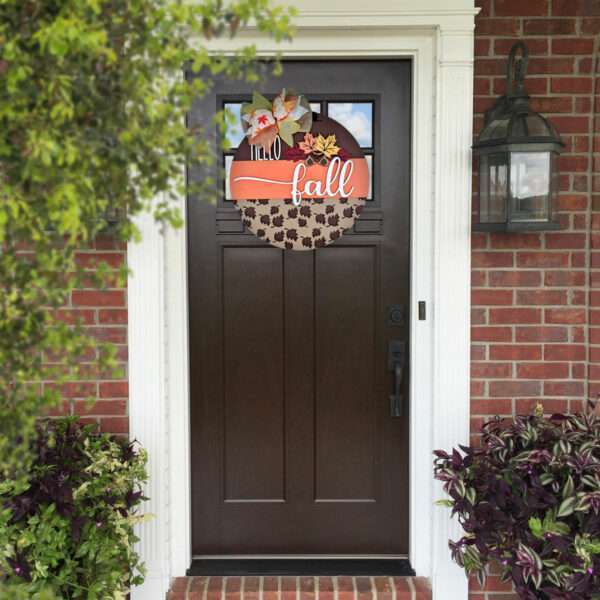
[(92, 123)]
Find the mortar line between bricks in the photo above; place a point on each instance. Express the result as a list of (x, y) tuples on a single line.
[(354, 588), (393, 586), (373, 588), (278, 588), (223, 587), (260, 587), (413, 591), (187, 588), (335, 588), (242, 587), (317, 585), (297, 588), (205, 590)]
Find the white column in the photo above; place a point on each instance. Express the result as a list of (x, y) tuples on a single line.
[(147, 402), (452, 282)]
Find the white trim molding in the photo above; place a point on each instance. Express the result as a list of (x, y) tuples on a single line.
[(437, 35)]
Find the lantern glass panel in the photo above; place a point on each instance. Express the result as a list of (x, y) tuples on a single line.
[(530, 186), (493, 169)]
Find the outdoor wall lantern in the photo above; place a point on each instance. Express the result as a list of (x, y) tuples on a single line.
[(517, 152)]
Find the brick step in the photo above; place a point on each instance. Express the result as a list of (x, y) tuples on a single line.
[(300, 588)]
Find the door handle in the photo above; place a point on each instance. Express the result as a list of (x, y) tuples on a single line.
[(396, 352)]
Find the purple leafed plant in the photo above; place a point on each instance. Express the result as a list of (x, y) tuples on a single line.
[(529, 498)]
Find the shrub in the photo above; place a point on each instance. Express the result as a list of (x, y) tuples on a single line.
[(68, 527), (529, 498)]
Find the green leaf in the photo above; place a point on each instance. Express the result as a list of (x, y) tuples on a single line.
[(258, 102), (567, 507), (287, 129)]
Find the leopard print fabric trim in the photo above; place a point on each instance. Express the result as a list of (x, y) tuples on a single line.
[(313, 224)]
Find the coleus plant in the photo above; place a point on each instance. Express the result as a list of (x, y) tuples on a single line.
[(529, 499)]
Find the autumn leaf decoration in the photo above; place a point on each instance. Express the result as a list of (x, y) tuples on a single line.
[(317, 149), (263, 120)]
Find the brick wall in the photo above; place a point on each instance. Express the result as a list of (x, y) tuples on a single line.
[(536, 311), (104, 313)]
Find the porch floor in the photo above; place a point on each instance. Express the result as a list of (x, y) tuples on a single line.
[(299, 588)]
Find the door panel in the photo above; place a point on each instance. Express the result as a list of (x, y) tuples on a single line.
[(294, 450)]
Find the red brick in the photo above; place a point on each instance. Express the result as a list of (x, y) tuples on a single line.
[(564, 315), (114, 424), (491, 334), (215, 587), (515, 241), (490, 66), (478, 316), (536, 46), (542, 297), (526, 406), (478, 278), (518, 8), (560, 66), (535, 85), (491, 259), (477, 388), (91, 260), (515, 315), (515, 388), (556, 104), (112, 316), (542, 370), (77, 389), (563, 388), (114, 389), (497, 27), (98, 298), (542, 259), (491, 297), (514, 278), (573, 164), (549, 26), (482, 86), (572, 201), (564, 278), (482, 47), (115, 335), (72, 316), (590, 26), (566, 8), (491, 406), (573, 46), (488, 370), (564, 352), (542, 334), (100, 407), (477, 352), (566, 124), (515, 352)]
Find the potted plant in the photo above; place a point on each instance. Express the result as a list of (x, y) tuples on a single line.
[(529, 498)]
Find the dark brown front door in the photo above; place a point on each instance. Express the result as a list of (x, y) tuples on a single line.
[(294, 448)]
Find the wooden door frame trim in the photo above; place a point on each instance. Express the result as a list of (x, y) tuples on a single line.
[(439, 40)]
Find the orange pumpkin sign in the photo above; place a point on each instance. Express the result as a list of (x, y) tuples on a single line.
[(299, 179)]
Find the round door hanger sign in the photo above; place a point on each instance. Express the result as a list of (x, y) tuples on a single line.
[(300, 179)]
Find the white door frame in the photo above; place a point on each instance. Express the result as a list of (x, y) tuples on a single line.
[(439, 40)]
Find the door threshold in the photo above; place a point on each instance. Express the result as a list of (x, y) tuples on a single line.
[(237, 567)]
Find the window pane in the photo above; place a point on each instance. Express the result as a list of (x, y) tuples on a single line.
[(315, 107), (530, 185), (228, 161), (494, 181), (235, 134), (369, 158), (357, 118)]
